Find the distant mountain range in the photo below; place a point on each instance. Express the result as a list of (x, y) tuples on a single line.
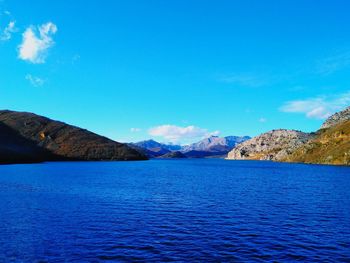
[(26, 137), (154, 149), (215, 144), (208, 147)]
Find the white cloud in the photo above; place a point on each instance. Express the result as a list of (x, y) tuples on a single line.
[(318, 108), (262, 120), (175, 133), (135, 129), (35, 81), (33, 47), (6, 34)]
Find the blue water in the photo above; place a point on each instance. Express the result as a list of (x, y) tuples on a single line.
[(174, 210)]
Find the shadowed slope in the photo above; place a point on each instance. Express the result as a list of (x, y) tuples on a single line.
[(16, 149), (65, 141)]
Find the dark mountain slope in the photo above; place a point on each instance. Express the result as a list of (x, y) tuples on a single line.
[(175, 155), (16, 149), (54, 140)]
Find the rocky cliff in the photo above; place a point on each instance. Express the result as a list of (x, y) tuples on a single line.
[(329, 145), (337, 118), (35, 137), (273, 145)]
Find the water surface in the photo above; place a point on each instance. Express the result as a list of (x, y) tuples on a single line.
[(174, 210)]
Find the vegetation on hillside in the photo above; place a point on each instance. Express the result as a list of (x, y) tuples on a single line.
[(329, 146)]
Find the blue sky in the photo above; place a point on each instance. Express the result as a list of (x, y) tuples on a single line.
[(176, 70)]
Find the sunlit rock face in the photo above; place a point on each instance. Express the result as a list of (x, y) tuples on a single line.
[(273, 145), (337, 118)]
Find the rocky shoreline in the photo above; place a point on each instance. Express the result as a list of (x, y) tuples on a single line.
[(329, 145)]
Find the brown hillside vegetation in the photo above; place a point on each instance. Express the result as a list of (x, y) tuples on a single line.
[(27, 137), (330, 146)]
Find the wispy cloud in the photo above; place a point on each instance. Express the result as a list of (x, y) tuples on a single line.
[(175, 133), (34, 47), (332, 64), (135, 129), (6, 34), (319, 107), (35, 81), (262, 120), (244, 79)]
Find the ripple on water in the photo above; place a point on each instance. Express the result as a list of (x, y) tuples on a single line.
[(174, 210)]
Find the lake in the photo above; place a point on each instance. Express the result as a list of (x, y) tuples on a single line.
[(174, 210)]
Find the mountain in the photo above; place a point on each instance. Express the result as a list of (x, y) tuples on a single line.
[(16, 149), (27, 137), (329, 146), (175, 155), (149, 144), (154, 149), (272, 145), (213, 146), (337, 118)]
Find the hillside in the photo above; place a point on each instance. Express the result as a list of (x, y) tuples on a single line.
[(329, 146), (173, 155), (34, 137), (337, 118), (16, 149), (272, 145)]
